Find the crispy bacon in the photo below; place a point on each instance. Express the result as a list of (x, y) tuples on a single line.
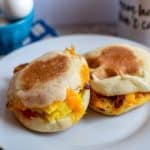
[(87, 86), (117, 101), (29, 114)]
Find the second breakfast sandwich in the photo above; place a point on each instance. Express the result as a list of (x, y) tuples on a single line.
[(51, 93), (120, 78)]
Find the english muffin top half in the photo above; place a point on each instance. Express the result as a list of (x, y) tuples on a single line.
[(47, 78), (119, 69)]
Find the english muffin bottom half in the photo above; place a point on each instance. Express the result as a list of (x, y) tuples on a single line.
[(50, 93), (120, 78)]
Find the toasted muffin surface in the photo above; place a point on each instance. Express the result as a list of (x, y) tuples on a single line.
[(47, 79), (115, 60), (119, 69), (43, 71)]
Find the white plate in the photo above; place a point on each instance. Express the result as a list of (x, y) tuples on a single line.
[(130, 131)]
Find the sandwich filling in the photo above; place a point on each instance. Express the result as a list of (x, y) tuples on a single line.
[(72, 106), (116, 105)]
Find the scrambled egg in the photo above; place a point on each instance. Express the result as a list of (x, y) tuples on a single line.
[(72, 106), (56, 111), (130, 101)]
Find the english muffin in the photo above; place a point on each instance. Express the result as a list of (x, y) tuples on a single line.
[(120, 78), (51, 93)]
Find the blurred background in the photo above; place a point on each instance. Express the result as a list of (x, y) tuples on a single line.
[(77, 12), (125, 18)]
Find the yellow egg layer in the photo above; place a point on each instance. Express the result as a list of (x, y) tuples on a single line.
[(130, 101), (56, 111), (72, 107)]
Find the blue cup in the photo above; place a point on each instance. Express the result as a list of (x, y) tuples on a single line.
[(13, 34)]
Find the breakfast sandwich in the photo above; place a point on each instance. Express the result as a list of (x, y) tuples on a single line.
[(50, 93), (119, 78)]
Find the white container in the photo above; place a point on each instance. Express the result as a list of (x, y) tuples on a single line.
[(16, 9), (134, 20)]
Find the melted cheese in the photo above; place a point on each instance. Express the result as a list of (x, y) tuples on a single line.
[(131, 101), (70, 50), (136, 99), (84, 73), (75, 103)]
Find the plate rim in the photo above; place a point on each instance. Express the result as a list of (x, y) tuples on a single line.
[(22, 49)]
